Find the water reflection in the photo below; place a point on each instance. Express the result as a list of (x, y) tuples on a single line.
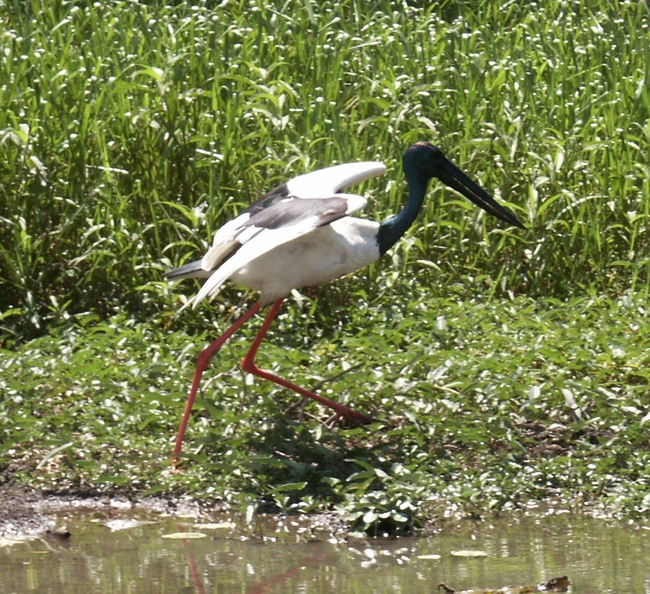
[(281, 556)]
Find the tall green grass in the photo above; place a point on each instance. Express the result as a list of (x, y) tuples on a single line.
[(130, 131)]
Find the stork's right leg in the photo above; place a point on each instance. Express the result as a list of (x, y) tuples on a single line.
[(248, 364)]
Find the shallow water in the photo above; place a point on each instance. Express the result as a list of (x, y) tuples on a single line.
[(286, 556)]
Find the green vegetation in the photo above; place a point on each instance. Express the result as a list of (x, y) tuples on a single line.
[(502, 403), (130, 131)]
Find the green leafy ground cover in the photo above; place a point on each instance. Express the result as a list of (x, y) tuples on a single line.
[(505, 366), (482, 407)]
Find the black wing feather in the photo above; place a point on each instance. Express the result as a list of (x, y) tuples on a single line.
[(292, 210), (266, 201)]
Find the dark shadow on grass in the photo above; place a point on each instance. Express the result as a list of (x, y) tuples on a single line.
[(289, 467)]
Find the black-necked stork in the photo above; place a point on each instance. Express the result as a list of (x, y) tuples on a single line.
[(301, 234)]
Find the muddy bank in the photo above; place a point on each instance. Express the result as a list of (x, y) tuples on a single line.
[(19, 511), (26, 511)]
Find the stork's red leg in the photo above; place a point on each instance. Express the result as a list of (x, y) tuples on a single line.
[(248, 365), (201, 363)]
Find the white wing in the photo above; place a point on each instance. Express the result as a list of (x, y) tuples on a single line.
[(289, 211), (333, 180)]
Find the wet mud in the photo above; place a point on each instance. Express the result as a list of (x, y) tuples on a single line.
[(26, 511)]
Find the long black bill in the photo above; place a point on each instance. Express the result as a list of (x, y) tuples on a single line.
[(459, 181)]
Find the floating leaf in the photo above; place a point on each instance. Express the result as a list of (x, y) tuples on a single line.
[(184, 535), (469, 554), (125, 524), (217, 526)]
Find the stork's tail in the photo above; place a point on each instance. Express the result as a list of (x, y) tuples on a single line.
[(189, 270)]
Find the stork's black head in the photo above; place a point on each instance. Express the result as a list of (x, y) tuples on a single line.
[(423, 160)]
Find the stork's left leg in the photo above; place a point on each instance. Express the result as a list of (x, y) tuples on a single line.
[(248, 365), (201, 363)]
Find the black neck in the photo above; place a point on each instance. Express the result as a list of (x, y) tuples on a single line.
[(391, 230)]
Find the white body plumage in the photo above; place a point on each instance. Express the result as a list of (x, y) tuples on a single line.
[(316, 258)]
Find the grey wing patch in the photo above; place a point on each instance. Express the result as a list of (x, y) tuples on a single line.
[(291, 211)]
